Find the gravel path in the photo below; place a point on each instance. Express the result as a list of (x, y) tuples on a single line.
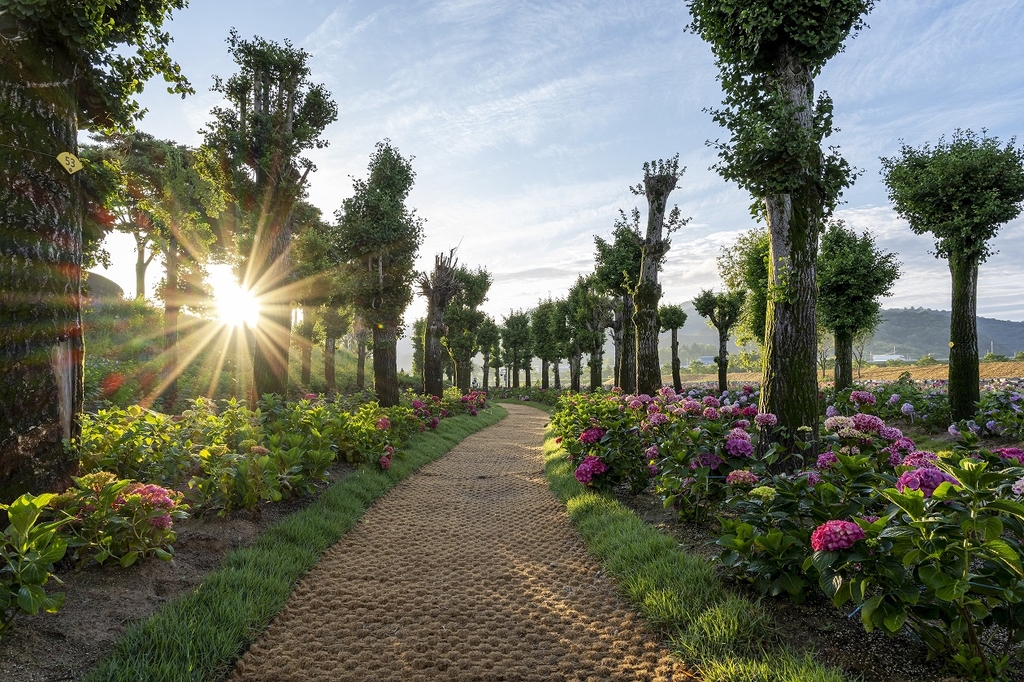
[(469, 570)]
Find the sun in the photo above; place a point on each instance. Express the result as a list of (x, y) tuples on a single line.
[(235, 306)]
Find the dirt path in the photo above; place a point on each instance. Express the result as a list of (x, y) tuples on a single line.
[(470, 570)]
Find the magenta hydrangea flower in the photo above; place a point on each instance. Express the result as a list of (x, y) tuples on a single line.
[(635, 404), (835, 535), (652, 470), (742, 477), (706, 459), (889, 433), (766, 420), (1015, 454), (590, 466), (644, 398), (926, 479), (868, 423), (592, 435), (691, 406), (383, 424), (417, 404), (652, 452), (710, 413), (711, 401), (657, 419), (826, 460), (652, 408), (741, 424), (750, 411), (311, 396), (863, 398), (385, 462), (739, 447), (813, 477)]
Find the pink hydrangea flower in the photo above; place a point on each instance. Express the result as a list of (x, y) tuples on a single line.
[(863, 398), (838, 423), (635, 404), (750, 411), (835, 535), (742, 477), (385, 462), (592, 435), (890, 433), (921, 458), (741, 424), (383, 424), (711, 401), (925, 479), (739, 447), (590, 466), (827, 460), (766, 420), (813, 478), (868, 423), (691, 406), (706, 459), (710, 413), (652, 452), (657, 418), (1015, 454)]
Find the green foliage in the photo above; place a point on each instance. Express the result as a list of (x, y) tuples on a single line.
[(722, 310), (463, 319), (101, 37), (744, 266), (671, 317), (617, 264), (960, 191), (545, 345), (515, 339), (110, 518), (852, 274), (28, 550)]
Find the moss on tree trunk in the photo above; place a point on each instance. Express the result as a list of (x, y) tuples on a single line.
[(677, 379), (844, 360), (626, 378), (722, 359), (964, 373), (385, 364)]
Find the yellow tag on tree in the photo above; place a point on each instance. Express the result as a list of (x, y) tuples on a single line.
[(70, 162)]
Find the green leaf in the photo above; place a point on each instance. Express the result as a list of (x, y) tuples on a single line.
[(30, 598), (867, 610), (1007, 506), (1003, 550), (129, 559), (899, 532), (163, 554), (54, 552), (822, 560), (53, 602), (894, 621)]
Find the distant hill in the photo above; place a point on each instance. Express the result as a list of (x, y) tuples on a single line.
[(917, 331)]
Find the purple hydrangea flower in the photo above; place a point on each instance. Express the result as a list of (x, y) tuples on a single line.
[(925, 479)]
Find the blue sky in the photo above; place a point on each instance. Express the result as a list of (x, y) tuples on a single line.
[(530, 120)]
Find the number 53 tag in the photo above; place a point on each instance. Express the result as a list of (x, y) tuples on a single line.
[(70, 162)]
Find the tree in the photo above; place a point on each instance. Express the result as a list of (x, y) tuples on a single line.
[(561, 332), (590, 313), (744, 266), (464, 319), (722, 311), (380, 237), (544, 343), (361, 339), (660, 178), (960, 192), (672, 318), (768, 54), (336, 322), (63, 66), (438, 288), (825, 347), (860, 343), (274, 114), (488, 337), (515, 340), (617, 267), (852, 275)]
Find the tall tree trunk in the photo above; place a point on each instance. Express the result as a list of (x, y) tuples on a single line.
[(596, 367), (627, 351), (41, 345), (433, 351), (172, 306), (648, 289), (329, 377), (544, 373), (677, 379), (789, 385), (844, 359), (723, 359), (464, 375), (558, 375), (487, 370), (141, 264), (528, 367), (964, 372), (385, 364), (575, 369), (515, 373), (361, 361), (273, 334), (307, 361), (616, 333)]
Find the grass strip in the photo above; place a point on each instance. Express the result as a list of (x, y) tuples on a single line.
[(529, 403), (723, 635), (196, 637)]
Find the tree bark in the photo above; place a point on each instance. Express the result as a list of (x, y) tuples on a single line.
[(361, 361), (575, 362), (723, 359), (487, 370), (789, 386), (844, 359), (677, 379), (433, 357), (464, 375), (627, 353), (385, 364), (528, 364), (41, 344), (329, 378), (648, 289), (544, 374), (558, 375), (141, 264), (964, 373), (515, 373), (172, 306), (596, 366)]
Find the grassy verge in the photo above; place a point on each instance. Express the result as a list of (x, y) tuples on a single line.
[(723, 635), (196, 637), (529, 403)]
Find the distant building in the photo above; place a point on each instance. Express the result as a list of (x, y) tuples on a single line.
[(886, 358)]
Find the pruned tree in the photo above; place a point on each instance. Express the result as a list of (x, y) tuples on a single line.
[(336, 322), (852, 275), (544, 344), (768, 54), (960, 192), (590, 314), (464, 318), (273, 114), (63, 66), (722, 311), (515, 341), (380, 238), (672, 318), (660, 178), (488, 337), (438, 287), (617, 268)]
